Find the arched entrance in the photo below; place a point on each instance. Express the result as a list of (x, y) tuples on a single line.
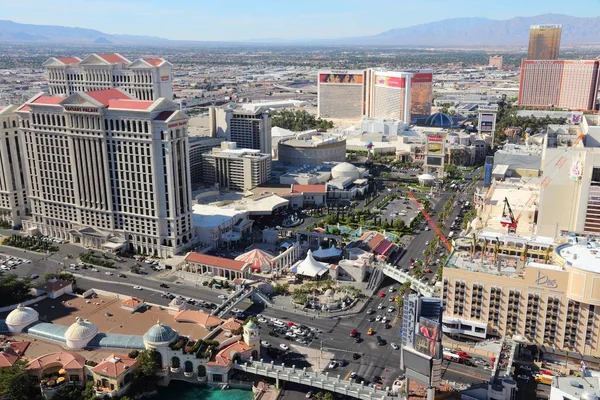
[(175, 363), (201, 371), (188, 367)]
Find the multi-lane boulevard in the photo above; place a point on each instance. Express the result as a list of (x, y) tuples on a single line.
[(375, 360)]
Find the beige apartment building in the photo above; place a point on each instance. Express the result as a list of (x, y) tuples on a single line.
[(144, 79), (508, 285), (108, 171), (237, 169), (13, 186)]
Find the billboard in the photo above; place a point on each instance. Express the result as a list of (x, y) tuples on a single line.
[(165, 75), (422, 77), (434, 161), (356, 79), (427, 346), (390, 81), (419, 363), (430, 329)]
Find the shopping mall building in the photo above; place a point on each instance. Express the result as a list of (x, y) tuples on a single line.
[(536, 288)]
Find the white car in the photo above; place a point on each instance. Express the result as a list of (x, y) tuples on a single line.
[(291, 334), (262, 320), (391, 309), (378, 318), (264, 343), (284, 346), (108, 273), (95, 270), (384, 319), (332, 365), (137, 287), (380, 306), (394, 346), (352, 375), (222, 296)]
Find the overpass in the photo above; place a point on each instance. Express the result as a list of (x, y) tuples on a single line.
[(313, 379), (401, 276), (237, 297)]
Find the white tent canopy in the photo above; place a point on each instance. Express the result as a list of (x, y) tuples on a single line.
[(327, 253), (310, 267)]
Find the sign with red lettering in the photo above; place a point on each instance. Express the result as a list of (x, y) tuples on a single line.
[(180, 123)]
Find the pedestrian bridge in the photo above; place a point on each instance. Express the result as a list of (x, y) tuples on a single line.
[(400, 276), (313, 379), (237, 297)]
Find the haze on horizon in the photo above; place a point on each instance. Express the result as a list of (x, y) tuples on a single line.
[(290, 20)]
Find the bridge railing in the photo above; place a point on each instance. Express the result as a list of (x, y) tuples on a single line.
[(313, 379)]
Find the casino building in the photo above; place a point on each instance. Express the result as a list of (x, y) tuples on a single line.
[(374, 93), (549, 299)]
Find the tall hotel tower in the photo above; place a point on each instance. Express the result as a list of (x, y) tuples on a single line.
[(108, 171)]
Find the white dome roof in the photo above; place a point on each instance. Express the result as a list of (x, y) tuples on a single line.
[(426, 177), (22, 316), (345, 170), (81, 330)]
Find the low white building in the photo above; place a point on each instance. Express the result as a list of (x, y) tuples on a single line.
[(572, 388), (215, 225)]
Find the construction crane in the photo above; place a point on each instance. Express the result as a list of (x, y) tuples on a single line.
[(431, 222), (508, 219)]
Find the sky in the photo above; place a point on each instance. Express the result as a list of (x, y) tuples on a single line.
[(238, 20)]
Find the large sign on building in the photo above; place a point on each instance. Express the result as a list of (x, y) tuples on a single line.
[(341, 78), (390, 81), (422, 339)]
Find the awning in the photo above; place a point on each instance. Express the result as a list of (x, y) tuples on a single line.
[(62, 371)]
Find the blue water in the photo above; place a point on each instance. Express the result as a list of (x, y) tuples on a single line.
[(186, 391)]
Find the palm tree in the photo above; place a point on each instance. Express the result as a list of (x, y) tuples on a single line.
[(547, 255), (496, 250), (484, 250), (525, 252), (474, 245)]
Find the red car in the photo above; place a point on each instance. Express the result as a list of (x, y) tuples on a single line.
[(381, 294), (353, 333), (462, 354)]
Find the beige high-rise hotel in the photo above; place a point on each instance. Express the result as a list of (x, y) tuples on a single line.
[(544, 42)]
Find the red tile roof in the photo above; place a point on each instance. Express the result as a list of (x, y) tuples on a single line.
[(64, 358), (384, 247), (309, 189), (198, 317), (24, 108), (132, 302), (154, 61), (104, 96), (114, 365), (220, 262), (8, 357), (164, 115), (231, 324), (225, 356), (69, 60), (112, 58), (48, 100), (130, 104)]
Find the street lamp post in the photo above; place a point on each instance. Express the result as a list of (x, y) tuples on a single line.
[(321, 351)]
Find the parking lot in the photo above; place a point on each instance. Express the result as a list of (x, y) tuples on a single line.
[(8, 262)]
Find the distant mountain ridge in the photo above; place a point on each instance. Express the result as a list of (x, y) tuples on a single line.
[(456, 32)]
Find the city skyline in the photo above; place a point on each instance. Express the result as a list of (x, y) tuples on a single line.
[(311, 19)]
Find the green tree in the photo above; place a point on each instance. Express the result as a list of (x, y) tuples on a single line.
[(328, 396), (13, 289), (15, 384), (89, 392), (399, 224), (148, 363), (69, 392)]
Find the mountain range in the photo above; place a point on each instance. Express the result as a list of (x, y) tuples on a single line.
[(456, 32)]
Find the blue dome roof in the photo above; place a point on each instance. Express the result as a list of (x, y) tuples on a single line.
[(160, 333), (439, 120)]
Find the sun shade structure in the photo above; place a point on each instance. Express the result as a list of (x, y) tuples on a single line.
[(259, 260), (330, 252), (310, 267)]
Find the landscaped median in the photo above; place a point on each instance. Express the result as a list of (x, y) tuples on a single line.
[(32, 243), (102, 260)]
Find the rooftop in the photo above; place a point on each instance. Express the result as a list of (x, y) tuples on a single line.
[(220, 262), (114, 366), (580, 388), (309, 189), (53, 285), (583, 255)]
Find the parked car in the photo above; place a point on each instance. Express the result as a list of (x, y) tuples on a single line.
[(137, 287), (395, 346), (284, 346), (34, 276), (264, 343), (332, 365)]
